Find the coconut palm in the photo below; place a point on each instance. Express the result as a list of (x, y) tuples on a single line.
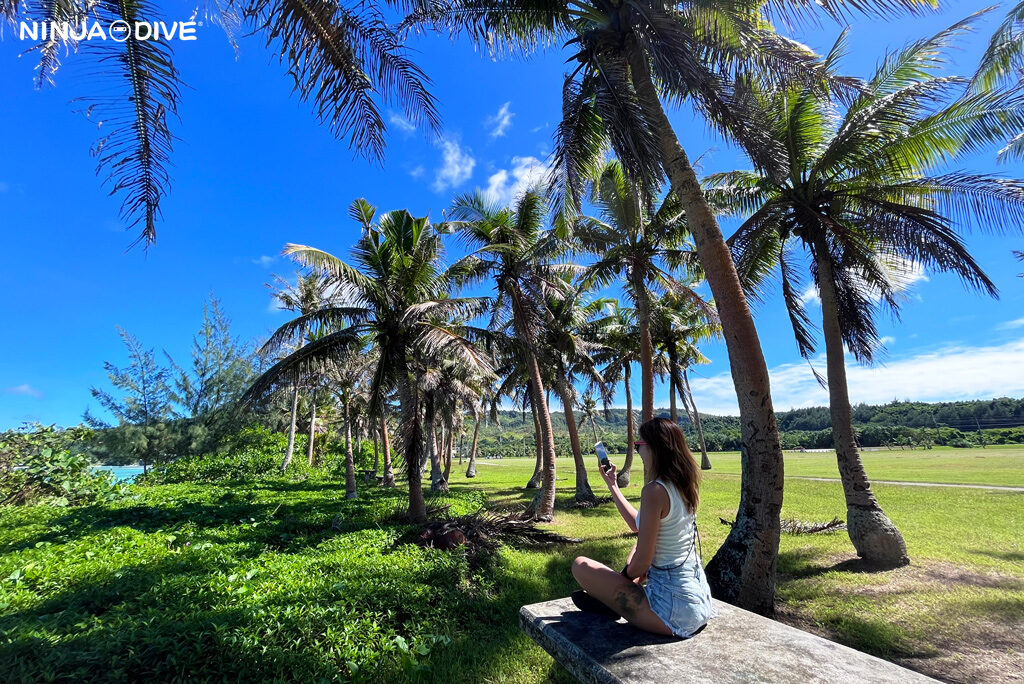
[(395, 293), (346, 60), (512, 245), (1002, 65), (635, 242), (309, 294), (679, 324), (568, 339), (618, 334), (857, 193), (628, 57)]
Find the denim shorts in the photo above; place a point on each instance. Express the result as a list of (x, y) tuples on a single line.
[(681, 597)]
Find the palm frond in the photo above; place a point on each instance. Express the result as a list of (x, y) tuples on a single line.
[(136, 151), (1004, 56)]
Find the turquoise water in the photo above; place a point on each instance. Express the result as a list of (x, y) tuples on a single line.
[(122, 473)]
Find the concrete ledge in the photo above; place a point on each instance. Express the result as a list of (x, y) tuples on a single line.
[(737, 646)]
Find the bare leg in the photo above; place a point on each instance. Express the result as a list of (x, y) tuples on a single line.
[(626, 598)]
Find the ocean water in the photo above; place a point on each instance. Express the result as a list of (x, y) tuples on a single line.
[(122, 473)]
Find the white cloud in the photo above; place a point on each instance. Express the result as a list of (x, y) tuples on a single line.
[(401, 123), (886, 340), (456, 166), (810, 295), (24, 389), (417, 171), (264, 261), (902, 274), (951, 373), (505, 185), (500, 122), (1011, 325), (538, 129)]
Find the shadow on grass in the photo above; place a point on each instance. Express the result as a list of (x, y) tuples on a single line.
[(1012, 556)]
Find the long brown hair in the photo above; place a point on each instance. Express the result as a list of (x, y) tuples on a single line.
[(673, 460)]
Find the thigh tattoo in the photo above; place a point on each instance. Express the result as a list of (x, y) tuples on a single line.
[(629, 600)]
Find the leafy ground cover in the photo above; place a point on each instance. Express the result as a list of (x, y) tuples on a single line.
[(284, 579)]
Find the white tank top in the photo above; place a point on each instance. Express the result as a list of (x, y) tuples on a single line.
[(676, 541)]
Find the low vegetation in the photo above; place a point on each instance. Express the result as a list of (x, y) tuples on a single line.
[(279, 576)]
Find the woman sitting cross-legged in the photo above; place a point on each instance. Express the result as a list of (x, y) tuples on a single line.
[(676, 599)]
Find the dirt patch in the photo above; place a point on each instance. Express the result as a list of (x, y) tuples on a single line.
[(975, 636)]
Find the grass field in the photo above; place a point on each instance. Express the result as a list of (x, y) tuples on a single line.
[(285, 579), (1000, 465)]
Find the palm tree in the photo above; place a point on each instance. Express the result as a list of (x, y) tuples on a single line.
[(618, 334), (628, 56), (395, 294), (1002, 65), (478, 414), (568, 335), (634, 241), (680, 322), (513, 247), (309, 294), (856, 192), (344, 57)]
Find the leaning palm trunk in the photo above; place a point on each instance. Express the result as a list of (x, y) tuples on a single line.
[(471, 469), (873, 535), (584, 494), (742, 572), (543, 505), (291, 430), (385, 443), (623, 477), (705, 462), (312, 427), (538, 476), (448, 456), (350, 464), (412, 433)]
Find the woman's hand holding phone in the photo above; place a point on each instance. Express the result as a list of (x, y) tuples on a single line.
[(606, 467)]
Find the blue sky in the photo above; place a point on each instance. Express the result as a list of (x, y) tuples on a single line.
[(253, 170)]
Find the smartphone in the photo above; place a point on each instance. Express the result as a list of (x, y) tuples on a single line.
[(602, 456)]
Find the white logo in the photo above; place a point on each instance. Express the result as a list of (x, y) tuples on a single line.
[(118, 31)]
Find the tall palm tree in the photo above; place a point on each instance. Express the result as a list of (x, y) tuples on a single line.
[(309, 294), (395, 293), (857, 193), (568, 339), (641, 244), (513, 246), (345, 58), (628, 57), (618, 334), (680, 323)]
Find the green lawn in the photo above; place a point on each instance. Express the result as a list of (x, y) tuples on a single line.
[(998, 465), (284, 579)]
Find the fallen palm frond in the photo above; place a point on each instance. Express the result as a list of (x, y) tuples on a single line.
[(793, 526), (484, 531)]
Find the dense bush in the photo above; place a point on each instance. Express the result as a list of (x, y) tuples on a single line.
[(44, 465), (252, 453)]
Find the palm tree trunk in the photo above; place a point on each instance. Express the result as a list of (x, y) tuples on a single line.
[(448, 455), (291, 430), (673, 387), (471, 470), (312, 427), (385, 440), (437, 483), (705, 462), (412, 433), (376, 454), (623, 477), (643, 319), (584, 494), (742, 572), (350, 465), (543, 505), (873, 535), (538, 476)]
